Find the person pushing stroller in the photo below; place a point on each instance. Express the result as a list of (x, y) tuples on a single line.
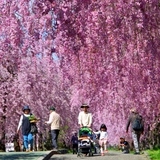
[(84, 117), (85, 132)]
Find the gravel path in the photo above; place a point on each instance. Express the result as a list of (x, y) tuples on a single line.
[(111, 155)]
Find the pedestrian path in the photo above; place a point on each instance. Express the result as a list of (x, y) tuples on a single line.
[(111, 155), (52, 155), (38, 155)]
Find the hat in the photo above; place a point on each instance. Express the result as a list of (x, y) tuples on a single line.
[(52, 108), (84, 105), (25, 108)]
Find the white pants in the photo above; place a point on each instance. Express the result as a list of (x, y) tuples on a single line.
[(136, 138)]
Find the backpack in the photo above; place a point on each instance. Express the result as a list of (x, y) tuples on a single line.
[(34, 128), (137, 124)]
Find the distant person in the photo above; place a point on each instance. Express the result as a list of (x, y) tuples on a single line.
[(103, 139), (135, 121), (54, 121), (124, 145), (74, 141), (26, 128)]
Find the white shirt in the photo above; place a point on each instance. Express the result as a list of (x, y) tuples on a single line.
[(103, 134), (85, 119)]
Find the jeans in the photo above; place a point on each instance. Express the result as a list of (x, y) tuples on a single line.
[(28, 139), (54, 134)]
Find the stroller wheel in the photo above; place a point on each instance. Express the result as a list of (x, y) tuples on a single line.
[(79, 155)]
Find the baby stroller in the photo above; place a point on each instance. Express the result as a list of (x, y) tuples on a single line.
[(85, 142)]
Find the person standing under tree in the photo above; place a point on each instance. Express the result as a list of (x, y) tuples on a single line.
[(137, 127), (54, 121)]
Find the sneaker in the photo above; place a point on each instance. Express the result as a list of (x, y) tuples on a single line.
[(136, 153), (27, 150), (102, 154), (106, 151)]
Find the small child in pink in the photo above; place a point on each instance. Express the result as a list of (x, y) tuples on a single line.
[(103, 138)]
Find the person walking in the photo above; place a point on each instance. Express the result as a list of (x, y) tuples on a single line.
[(135, 121), (103, 139), (54, 121), (85, 121), (26, 128), (84, 117)]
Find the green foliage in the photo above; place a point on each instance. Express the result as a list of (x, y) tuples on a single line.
[(48, 144), (154, 154), (113, 147), (154, 137), (61, 139)]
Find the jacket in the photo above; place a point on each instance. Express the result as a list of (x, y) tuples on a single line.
[(130, 121), (54, 120)]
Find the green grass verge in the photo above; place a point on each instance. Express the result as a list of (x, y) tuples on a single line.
[(154, 154)]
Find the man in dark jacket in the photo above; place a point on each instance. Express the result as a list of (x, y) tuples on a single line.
[(136, 133)]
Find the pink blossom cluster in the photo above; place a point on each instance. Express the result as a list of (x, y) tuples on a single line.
[(105, 53)]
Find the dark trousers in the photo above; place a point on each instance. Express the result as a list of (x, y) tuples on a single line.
[(75, 148), (54, 134)]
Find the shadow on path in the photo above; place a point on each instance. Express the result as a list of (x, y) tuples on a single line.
[(111, 155), (21, 155)]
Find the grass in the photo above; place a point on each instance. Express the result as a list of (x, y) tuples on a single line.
[(154, 154)]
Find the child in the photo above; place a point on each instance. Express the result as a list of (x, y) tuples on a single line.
[(74, 141), (124, 145), (103, 138)]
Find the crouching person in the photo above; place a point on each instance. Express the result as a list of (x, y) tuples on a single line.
[(124, 145)]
